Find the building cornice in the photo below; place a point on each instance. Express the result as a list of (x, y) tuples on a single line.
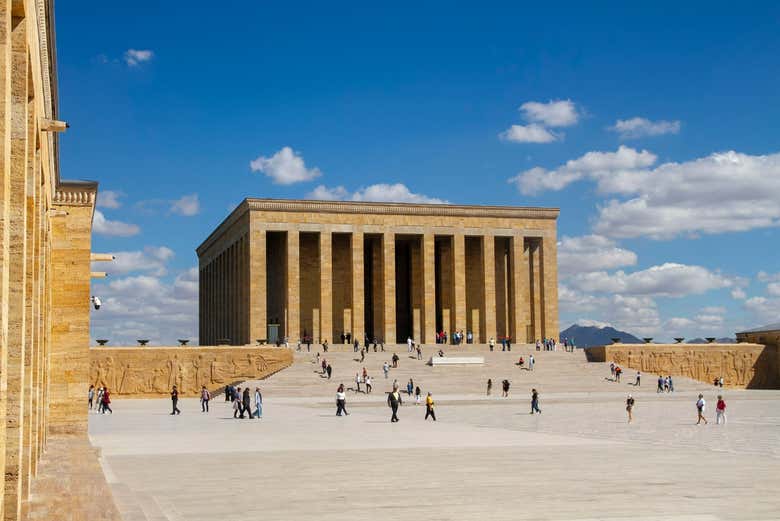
[(76, 193), (377, 208)]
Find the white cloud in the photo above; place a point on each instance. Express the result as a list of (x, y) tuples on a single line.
[(591, 253), (532, 133), (618, 171), (714, 310), (640, 127), (134, 57), (103, 226), (666, 280), (738, 294), (186, 205), (768, 277), (558, 113), (763, 310), (109, 199), (729, 192), (153, 260), (773, 289), (586, 322), (285, 167), (146, 306), (382, 192)]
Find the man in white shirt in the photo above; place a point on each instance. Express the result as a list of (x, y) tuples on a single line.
[(700, 404)]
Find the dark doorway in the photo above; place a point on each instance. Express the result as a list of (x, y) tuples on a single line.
[(403, 290)]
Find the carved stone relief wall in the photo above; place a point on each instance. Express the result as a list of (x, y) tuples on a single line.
[(740, 365), (153, 371)]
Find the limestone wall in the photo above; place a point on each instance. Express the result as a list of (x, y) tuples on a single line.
[(150, 372), (742, 365)]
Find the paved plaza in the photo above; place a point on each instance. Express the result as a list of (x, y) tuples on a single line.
[(485, 457)]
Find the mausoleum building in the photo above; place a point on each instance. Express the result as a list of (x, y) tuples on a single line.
[(323, 269)]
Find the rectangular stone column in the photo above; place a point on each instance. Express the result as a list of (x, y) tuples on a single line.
[(429, 288), (388, 274), (326, 286), (535, 305), (358, 297), (459, 272), (519, 278), (293, 322), (16, 138), (258, 314), (489, 267), (549, 263)]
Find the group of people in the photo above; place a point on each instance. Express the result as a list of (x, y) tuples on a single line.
[(242, 402), (546, 344), (100, 399), (701, 404), (616, 371), (531, 362), (364, 378), (506, 344)]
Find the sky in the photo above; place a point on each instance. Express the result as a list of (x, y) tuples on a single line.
[(654, 129)]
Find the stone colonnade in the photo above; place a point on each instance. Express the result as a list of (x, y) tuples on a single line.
[(45, 243), (324, 280)]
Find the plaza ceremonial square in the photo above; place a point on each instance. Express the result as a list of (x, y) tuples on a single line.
[(485, 457)]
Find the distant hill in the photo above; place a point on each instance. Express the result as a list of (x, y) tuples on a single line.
[(724, 340), (589, 336)]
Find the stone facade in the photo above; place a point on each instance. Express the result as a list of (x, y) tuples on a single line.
[(45, 253), (321, 269), (150, 372), (742, 365)]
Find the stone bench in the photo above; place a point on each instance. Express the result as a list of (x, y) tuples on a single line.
[(455, 360)]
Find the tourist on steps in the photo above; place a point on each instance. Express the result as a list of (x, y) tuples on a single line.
[(429, 407), (258, 404), (393, 401), (341, 401), (535, 402), (205, 396), (630, 408)]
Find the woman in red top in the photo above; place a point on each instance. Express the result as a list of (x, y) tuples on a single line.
[(720, 410), (107, 401)]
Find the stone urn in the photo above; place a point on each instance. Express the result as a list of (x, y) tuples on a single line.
[(615, 340), (679, 339), (142, 342), (183, 341), (710, 339), (648, 340), (102, 341)]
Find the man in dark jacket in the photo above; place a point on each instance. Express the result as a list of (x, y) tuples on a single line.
[(246, 402), (393, 401), (175, 401)]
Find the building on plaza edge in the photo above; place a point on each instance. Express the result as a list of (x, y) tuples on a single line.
[(320, 269)]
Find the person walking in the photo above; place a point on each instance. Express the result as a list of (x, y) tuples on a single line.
[(205, 396), (341, 401), (638, 381), (429, 407), (174, 401), (329, 370), (357, 383), (630, 408), (258, 404), (362, 355), (505, 389), (369, 387), (106, 401), (246, 404), (671, 383), (393, 401), (489, 386), (395, 360), (531, 362), (417, 395), (386, 368), (535, 402), (419, 352), (90, 396), (100, 399), (237, 402), (492, 343), (720, 411), (700, 405), (409, 387)]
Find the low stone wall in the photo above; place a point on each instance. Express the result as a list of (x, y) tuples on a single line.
[(742, 365), (150, 372)]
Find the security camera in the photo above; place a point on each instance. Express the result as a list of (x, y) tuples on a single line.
[(95, 301)]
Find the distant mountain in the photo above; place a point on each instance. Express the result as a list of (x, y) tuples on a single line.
[(589, 336), (724, 340)]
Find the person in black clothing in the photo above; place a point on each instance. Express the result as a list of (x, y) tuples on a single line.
[(329, 370), (229, 393), (246, 404), (395, 360), (535, 402), (393, 401), (505, 388), (175, 401)]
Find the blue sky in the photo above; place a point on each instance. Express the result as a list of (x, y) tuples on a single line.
[(170, 109)]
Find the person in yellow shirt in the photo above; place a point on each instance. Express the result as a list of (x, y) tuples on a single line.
[(429, 407)]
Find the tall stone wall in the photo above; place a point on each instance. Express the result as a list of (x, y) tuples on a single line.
[(742, 365), (150, 372)]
